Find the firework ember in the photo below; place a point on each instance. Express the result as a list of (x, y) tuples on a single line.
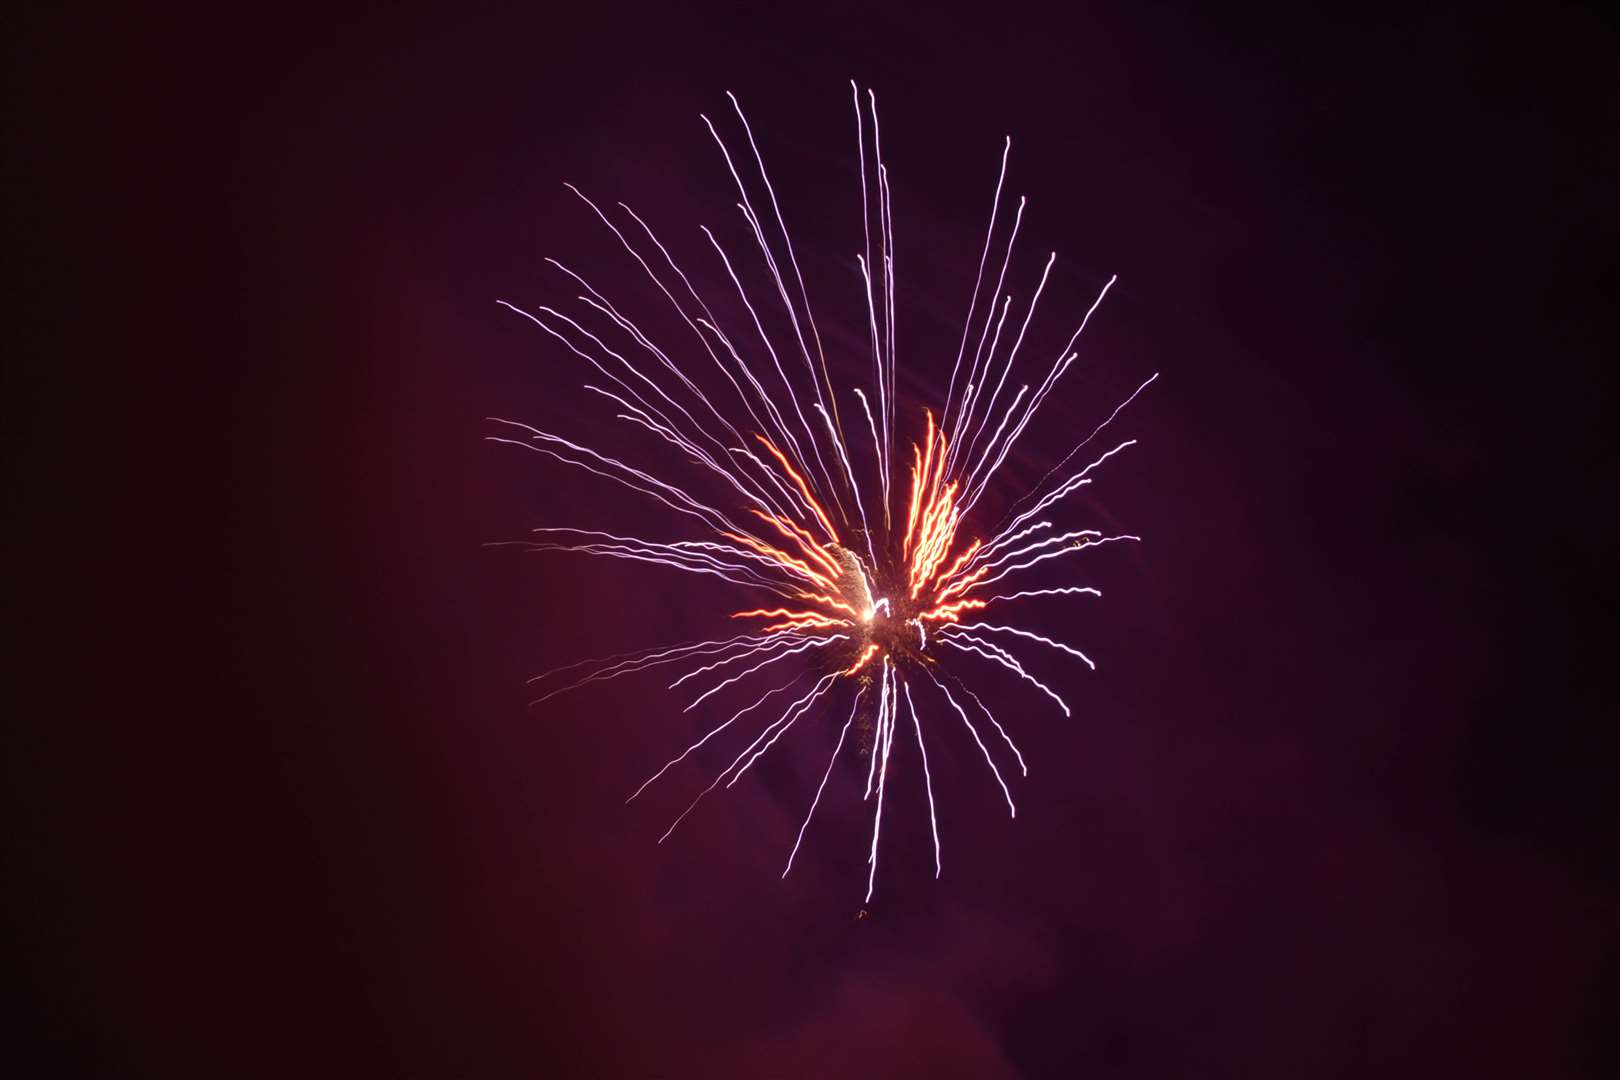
[(868, 569)]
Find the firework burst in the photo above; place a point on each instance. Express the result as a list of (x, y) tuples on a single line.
[(870, 572)]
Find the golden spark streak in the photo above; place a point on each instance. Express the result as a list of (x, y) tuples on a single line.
[(787, 561), (804, 489), (796, 532), (865, 656)]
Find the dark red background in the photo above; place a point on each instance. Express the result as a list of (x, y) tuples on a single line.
[(1339, 800)]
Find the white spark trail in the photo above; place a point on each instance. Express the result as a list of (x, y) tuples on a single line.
[(966, 413), (1072, 484), (928, 781), (1001, 656), (801, 704), (756, 667), (1007, 364), (782, 730), (1071, 650), (776, 362), (883, 709), (635, 653), (708, 321), (1082, 443), (1051, 555), (978, 281), (630, 666), (992, 718), (822, 786), (886, 736), (809, 315), (1066, 357), (1012, 811), (683, 754), (1065, 591), (771, 646)]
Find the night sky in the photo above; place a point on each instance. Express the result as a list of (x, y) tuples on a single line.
[(1338, 801)]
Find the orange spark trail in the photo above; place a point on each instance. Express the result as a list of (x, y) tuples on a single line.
[(804, 489), (865, 656)]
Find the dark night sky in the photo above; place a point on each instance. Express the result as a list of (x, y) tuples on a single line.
[(1338, 801)]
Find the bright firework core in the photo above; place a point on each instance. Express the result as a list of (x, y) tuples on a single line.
[(886, 608), (870, 586), (887, 616)]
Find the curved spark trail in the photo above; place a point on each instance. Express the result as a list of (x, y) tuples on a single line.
[(868, 555)]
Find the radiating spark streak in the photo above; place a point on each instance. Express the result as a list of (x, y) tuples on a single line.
[(961, 561), (882, 713), (752, 218), (970, 399), (707, 514), (974, 481), (1005, 659), (1065, 591), (826, 680), (764, 499), (822, 786), (662, 288), (1002, 558), (708, 321), (1012, 811), (776, 361), (882, 388), (798, 275), (683, 754), (1070, 455), (950, 612), (855, 488), (877, 446), (713, 568), (992, 718), (756, 667), (916, 499), (886, 229), (1071, 650), (1062, 365), (659, 282), (801, 703), (1001, 278), (685, 551), (594, 362), (1003, 540), (805, 541), (782, 559), (978, 281), (602, 304), (830, 602), (928, 781), (870, 651), (1012, 355), (815, 447), (1072, 484), (887, 737), (865, 261), (1054, 554), (804, 489), (778, 641), (635, 653), (625, 667), (778, 613)]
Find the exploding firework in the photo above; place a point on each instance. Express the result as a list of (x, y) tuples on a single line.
[(869, 570)]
